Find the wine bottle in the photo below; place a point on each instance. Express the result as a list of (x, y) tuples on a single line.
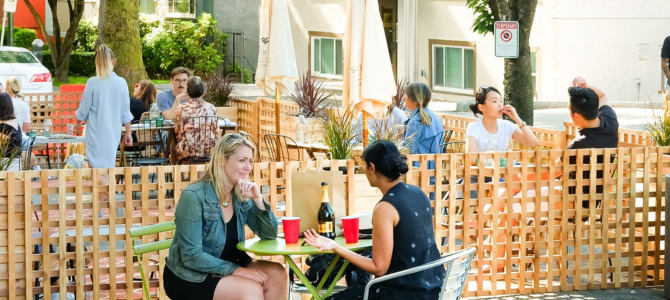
[(326, 214)]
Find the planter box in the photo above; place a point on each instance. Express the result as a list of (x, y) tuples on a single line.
[(229, 112)]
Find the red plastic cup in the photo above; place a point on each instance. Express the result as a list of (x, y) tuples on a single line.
[(291, 229), (350, 228)]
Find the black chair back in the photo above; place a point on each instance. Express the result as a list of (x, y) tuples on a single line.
[(149, 146), (278, 148), (440, 141), (253, 141)]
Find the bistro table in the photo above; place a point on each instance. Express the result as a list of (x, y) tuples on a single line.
[(57, 139), (279, 247)]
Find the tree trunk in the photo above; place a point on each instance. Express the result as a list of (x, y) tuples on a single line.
[(60, 49), (119, 29), (518, 80)]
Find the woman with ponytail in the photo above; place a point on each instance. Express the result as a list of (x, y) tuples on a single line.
[(21, 108), (422, 125), (105, 106), (491, 132)]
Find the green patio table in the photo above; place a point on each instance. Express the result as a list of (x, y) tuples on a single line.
[(279, 247)]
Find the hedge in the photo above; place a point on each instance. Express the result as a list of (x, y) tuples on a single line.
[(23, 37), (81, 63)]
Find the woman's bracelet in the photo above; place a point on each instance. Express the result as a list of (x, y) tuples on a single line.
[(522, 124)]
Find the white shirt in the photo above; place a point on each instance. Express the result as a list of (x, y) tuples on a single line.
[(505, 131), (22, 113)]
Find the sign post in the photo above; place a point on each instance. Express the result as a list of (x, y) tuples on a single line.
[(10, 7), (506, 39)]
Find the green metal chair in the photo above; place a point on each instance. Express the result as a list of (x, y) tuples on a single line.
[(137, 232)]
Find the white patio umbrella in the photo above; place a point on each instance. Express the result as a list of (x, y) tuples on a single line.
[(277, 70), (369, 81)]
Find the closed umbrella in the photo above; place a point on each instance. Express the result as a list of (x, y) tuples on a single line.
[(277, 70), (369, 81)]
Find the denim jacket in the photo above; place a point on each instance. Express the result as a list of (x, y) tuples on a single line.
[(201, 232)]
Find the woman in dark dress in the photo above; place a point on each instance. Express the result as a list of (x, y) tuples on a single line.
[(204, 262), (144, 93), (402, 233)]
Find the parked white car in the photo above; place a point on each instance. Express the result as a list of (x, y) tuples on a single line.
[(20, 62)]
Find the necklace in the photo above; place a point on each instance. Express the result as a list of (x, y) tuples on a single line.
[(225, 203)]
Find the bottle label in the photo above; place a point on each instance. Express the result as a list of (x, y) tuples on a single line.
[(325, 227)]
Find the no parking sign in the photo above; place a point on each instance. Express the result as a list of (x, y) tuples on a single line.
[(507, 39)]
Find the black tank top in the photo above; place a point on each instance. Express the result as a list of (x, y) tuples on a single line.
[(230, 252)]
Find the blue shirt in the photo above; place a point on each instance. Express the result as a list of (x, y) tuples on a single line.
[(421, 136), (165, 100)]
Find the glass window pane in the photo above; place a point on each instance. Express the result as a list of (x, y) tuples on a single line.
[(469, 63), (328, 56), (454, 67), (438, 62), (316, 55), (339, 60), (534, 87), (532, 61)]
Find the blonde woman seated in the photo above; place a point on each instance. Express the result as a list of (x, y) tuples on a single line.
[(204, 262)]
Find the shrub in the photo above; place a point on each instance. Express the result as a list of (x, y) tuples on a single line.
[(197, 46), (220, 89), (236, 70), (23, 37), (86, 36), (148, 22), (81, 63)]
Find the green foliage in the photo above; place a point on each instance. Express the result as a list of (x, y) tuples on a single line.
[(385, 129), (197, 46), (86, 36), (484, 19), (659, 128), (23, 37), (148, 22), (8, 154), (339, 133), (219, 89), (81, 63), (236, 70)]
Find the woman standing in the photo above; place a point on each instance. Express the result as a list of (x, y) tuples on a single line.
[(402, 233), (422, 125), (491, 132), (105, 106), (204, 262), (144, 94)]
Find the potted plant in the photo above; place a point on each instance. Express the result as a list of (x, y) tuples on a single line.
[(220, 91), (399, 99), (659, 129), (313, 103), (339, 134)]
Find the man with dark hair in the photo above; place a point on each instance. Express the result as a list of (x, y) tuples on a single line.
[(598, 128), (665, 64), (591, 112), (166, 99)]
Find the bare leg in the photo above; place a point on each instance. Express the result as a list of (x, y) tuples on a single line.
[(277, 285), (238, 288)]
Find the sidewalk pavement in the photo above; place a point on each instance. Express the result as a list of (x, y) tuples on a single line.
[(648, 293)]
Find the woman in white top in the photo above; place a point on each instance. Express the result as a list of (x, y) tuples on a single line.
[(491, 132)]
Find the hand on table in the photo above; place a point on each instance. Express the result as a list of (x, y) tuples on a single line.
[(128, 140), (313, 239), (252, 274)]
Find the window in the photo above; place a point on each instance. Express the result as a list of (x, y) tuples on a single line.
[(533, 66), (454, 68), (326, 56), (180, 8)]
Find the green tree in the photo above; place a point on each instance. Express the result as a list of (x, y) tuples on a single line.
[(119, 29), (60, 48), (518, 79)]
